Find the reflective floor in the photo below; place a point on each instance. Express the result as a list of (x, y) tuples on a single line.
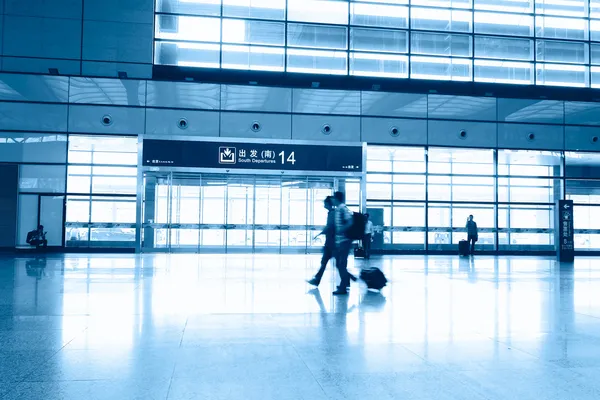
[(249, 327)]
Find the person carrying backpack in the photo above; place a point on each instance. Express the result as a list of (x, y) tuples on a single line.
[(344, 221)]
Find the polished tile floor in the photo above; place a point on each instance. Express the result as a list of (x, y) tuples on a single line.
[(248, 327)]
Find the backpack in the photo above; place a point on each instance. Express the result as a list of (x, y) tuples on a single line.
[(357, 230)]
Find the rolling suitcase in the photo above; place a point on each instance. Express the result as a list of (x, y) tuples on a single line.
[(463, 248), (374, 278)]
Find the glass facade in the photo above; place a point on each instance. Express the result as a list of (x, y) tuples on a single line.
[(101, 191), (544, 42), (427, 193)]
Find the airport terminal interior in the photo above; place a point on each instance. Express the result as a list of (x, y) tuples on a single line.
[(164, 166)]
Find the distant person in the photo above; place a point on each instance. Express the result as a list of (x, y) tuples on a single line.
[(343, 222), (329, 247), (368, 239), (37, 237), (472, 234)]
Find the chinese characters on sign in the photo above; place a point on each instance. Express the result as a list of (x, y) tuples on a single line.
[(566, 245), (264, 156)]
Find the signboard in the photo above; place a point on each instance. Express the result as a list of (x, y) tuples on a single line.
[(264, 156), (566, 243)]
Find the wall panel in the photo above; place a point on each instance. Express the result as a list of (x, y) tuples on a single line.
[(313, 127), (529, 136), (167, 122), (272, 126), (448, 133), (33, 117), (381, 131), (90, 119)]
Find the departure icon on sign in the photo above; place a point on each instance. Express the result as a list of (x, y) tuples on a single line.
[(227, 155)]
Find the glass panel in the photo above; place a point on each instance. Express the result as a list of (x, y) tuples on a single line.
[(523, 224), (51, 217), (411, 215), (572, 8), (444, 3), (595, 54), (529, 163), (29, 147), (329, 11), (317, 61), (378, 40), (595, 30), (562, 75), (582, 165), (180, 27), (442, 44), (112, 234), (454, 188), (440, 68), (267, 203), (196, 7), (503, 24), (562, 52), (201, 55), (378, 15), (461, 161), (384, 65), (528, 190), (440, 19), (111, 150), (317, 36), (504, 72), (409, 187), (503, 48), (261, 9), (561, 28), (583, 192), (595, 8), (213, 204), (595, 72), (253, 32), (78, 209), (120, 210), (41, 178), (515, 6), (379, 191), (253, 58)]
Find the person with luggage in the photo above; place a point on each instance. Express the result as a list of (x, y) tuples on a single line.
[(344, 220), (472, 234), (368, 239), (329, 247)]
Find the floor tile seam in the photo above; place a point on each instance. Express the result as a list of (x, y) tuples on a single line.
[(510, 346), (29, 372), (310, 371)]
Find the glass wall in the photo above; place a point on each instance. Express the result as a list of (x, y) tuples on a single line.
[(101, 191), (426, 195), (500, 41)]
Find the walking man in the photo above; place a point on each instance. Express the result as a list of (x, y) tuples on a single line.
[(343, 221), (329, 248)]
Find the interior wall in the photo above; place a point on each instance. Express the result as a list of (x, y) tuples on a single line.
[(9, 178)]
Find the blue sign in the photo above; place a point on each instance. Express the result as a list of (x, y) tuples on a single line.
[(263, 156), (566, 240)]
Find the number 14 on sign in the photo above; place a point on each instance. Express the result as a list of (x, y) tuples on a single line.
[(290, 159)]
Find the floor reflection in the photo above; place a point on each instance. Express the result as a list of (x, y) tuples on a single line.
[(244, 327)]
